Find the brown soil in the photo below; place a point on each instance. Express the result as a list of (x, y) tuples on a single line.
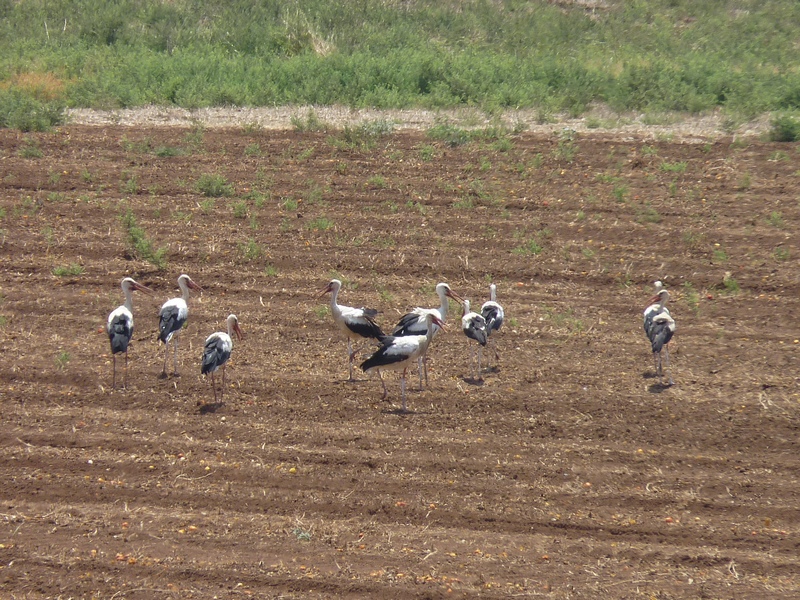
[(568, 473)]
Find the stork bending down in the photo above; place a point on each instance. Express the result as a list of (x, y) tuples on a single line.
[(414, 322), (398, 352)]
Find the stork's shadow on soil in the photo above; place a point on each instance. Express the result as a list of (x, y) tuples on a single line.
[(210, 408), (473, 381)]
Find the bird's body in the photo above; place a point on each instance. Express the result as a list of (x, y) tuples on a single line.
[(654, 308), (119, 326), (494, 314), (474, 327), (398, 352), (171, 318), (415, 323), (358, 324), (217, 351), (659, 327)]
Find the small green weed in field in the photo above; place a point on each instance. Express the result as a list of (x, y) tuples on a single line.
[(141, 245), (311, 122), (778, 156), (781, 254), (449, 134), (168, 151), (378, 181), (620, 192), (71, 270), (250, 250), (30, 150), (131, 185), (529, 247), (785, 128), (213, 185), (730, 284), (289, 204), (62, 360), (270, 271), (253, 149), (676, 167), (719, 254), (775, 219), (240, 210), (320, 224), (692, 297)]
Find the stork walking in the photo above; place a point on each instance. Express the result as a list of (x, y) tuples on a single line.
[(493, 312), (358, 324), (474, 327), (172, 316), (398, 352), (120, 326), (414, 322), (217, 351), (659, 327)]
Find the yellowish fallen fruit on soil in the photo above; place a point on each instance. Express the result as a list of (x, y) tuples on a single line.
[(292, 470)]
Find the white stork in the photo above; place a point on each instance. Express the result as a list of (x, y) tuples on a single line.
[(397, 352), (120, 326), (172, 316), (659, 327), (217, 351), (356, 323), (474, 327), (655, 307), (414, 322), (494, 315)]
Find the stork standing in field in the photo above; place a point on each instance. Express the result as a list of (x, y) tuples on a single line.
[(357, 323), (414, 322), (398, 352), (474, 327), (493, 312), (655, 307), (172, 316), (659, 327), (120, 326), (217, 351)]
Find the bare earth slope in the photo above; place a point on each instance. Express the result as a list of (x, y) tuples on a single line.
[(568, 473)]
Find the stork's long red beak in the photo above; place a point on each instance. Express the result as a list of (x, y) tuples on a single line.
[(239, 332), (194, 286), (454, 296), (141, 288), (328, 288)]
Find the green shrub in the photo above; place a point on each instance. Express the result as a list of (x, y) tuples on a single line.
[(785, 128), (214, 186), (19, 110)]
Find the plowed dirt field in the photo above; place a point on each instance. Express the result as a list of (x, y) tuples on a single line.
[(568, 472)]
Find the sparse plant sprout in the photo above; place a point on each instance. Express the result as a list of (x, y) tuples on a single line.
[(62, 360), (417, 206), (776, 219), (240, 210), (692, 239), (207, 206), (30, 150), (167, 151), (56, 197), (131, 185), (196, 136), (427, 152), (252, 127), (252, 150), (502, 144), (341, 168), (70, 270), (529, 247), (719, 254), (580, 215), (271, 271), (289, 204), (648, 214), (141, 245), (587, 252), (86, 176), (692, 297), (213, 185), (320, 224), (676, 167), (730, 284), (53, 177), (620, 192), (311, 122), (537, 161), (778, 156), (781, 254), (744, 182), (649, 150), (250, 250), (607, 178), (485, 164), (305, 154), (377, 181), (464, 203), (321, 312)]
